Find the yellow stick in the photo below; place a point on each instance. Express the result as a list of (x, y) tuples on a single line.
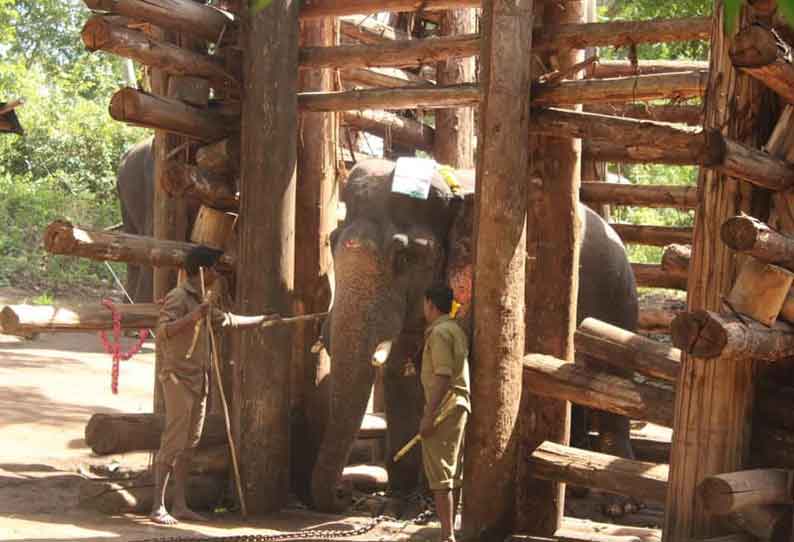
[(447, 408)]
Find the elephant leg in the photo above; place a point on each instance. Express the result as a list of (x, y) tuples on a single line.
[(580, 427)]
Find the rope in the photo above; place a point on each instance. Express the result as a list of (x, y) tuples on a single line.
[(114, 348)]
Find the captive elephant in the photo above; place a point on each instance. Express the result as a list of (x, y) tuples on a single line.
[(386, 252)]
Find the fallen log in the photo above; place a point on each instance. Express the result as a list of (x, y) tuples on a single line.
[(403, 53), (26, 319), (392, 98), (626, 350), (638, 479), (724, 494), (759, 53), (157, 112), (598, 193), (313, 9), (657, 317), (691, 115), (676, 258), (182, 180), (705, 334), (221, 157), (653, 276), (659, 236), (382, 78), (194, 18), (624, 68), (765, 522), (621, 33), (388, 125), (63, 237), (99, 33), (749, 235), (550, 377)]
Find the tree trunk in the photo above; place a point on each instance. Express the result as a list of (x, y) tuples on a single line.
[(391, 98), (675, 196), (174, 116), (750, 236), (63, 238), (732, 339), (186, 16), (550, 377), (314, 9), (691, 115), (100, 33), (267, 246), (727, 493), (757, 52), (221, 157), (659, 236), (27, 319), (583, 468), (604, 69), (653, 276), (615, 346), (499, 268), (388, 125), (214, 190), (454, 145)]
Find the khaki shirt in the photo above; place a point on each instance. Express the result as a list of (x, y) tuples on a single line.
[(192, 371), (446, 353)]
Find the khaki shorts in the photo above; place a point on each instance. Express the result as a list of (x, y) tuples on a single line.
[(442, 452), (184, 420)]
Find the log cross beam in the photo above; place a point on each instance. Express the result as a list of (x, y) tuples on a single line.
[(759, 53), (749, 235)]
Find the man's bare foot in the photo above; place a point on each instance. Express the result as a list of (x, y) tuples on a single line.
[(185, 513), (162, 517)]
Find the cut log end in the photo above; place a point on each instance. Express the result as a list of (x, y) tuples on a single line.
[(754, 46), (741, 233), (95, 33), (698, 334), (59, 237)]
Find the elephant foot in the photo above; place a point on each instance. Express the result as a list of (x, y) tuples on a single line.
[(409, 506), (618, 506)]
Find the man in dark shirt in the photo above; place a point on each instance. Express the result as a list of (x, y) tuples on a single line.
[(184, 377)]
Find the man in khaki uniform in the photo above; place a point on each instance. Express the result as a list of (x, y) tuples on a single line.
[(184, 377), (445, 379)]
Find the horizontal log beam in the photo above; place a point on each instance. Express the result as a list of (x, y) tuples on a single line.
[(313, 9), (657, 316), (757, 52), (675, 196), (383, 124), (659, 236), (621, 33), (194, 18), (547, 376), (62, 237), (466, 95), (691, 115), (653, 276), (157, 112), (99, 33), (624, 68), (749, 235), (26, 319), (600, 150), (182, 180), (705, 334), (382, 78), (626, 350), (724, 494), (638, 479)]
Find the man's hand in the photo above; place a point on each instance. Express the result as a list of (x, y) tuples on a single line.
[(426, 427)]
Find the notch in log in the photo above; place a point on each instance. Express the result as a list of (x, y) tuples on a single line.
[(183, 180), (749, 235), (705, 334), (759, 53), (727, 493)]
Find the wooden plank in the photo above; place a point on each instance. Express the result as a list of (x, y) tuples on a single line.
[(659, 236)]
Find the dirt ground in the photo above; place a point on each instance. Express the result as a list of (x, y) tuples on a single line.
[(49, 387)]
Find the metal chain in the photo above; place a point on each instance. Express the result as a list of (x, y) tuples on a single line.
[(315, 535)]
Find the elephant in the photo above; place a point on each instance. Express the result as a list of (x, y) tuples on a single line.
[(388, 249)]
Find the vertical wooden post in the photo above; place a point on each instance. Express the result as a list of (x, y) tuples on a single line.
[(454, 142), (315, 219), (265, 269), (714, 398), (553, 239), (499, 267)]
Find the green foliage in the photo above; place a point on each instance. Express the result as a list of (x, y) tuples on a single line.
[(258, 5), (732, 9)]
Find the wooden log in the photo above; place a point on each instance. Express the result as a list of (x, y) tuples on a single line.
[(550, 377), (382, 77), (671, 86), (691, 115), (656, 317), (757, 167), (391, 98), (727, 493), (615, 346), (121, 433), (676, 258), (583, 530), (499, 262), (99, 33), (750, 236), (182, 180), (705, 334), (388, 125), (26, 319), (638, 479), (760, 290), (675, 196), (365, 29), (653, 276), (759, 53), (185, 16), (624, 68), (149, 111), (609, 151), (765, 522), (62, 237), (213, 228), (659, 236), (221, 157), (314, 9), (404, 53), (622, 33)]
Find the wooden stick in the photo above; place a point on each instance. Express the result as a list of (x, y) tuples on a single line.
[(293, 319), (757, 52)]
